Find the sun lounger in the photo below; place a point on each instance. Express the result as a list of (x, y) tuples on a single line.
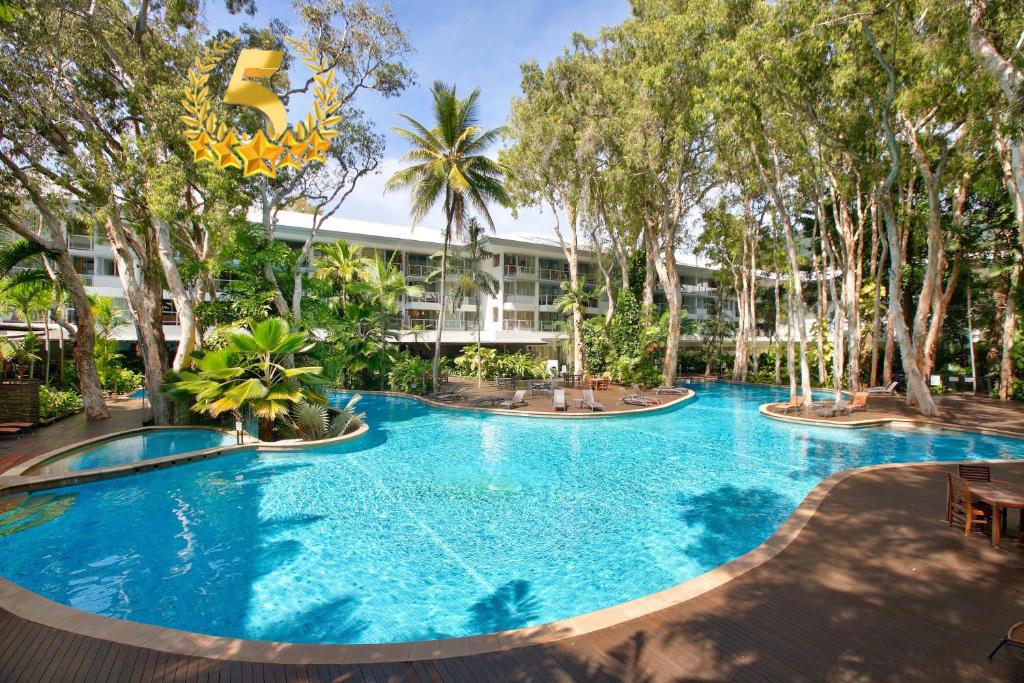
[(889, 390), (669, 390), (637, 392), (454, 395), (590, 402), (635, 400), (797, 403), (517, 400), (558, 399), (840, 407)]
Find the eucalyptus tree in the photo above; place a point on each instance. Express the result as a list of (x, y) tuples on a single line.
[(450, 166)]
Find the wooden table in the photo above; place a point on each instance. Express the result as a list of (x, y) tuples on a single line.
[(1001, 498)]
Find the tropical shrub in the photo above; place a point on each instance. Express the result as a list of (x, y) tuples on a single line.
[(466, 364), (596, 346), (410, 375), (117, 380), (1016, 390), (520, 364), (53, 403), (247, 376), (315, 421)]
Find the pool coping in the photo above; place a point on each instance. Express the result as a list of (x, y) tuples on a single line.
[(15, 480), (36, 608), (678, 399), (897, 420)]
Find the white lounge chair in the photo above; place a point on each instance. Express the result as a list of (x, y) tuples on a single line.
[(517, 400), (677, 391), (558, 399), (889, 390), (590, 402), (636, 399)]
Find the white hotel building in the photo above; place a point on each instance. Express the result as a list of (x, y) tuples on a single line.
[(528, 268)]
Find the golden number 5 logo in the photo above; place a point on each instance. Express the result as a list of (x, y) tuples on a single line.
[(282, 146), (258, 64)]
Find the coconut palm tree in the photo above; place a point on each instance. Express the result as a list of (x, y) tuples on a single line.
[(30, 300), (449, 166), (575, 299), (342, 263), (473, 281), (248, 374)]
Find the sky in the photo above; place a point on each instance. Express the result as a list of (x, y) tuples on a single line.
[(473, 45)]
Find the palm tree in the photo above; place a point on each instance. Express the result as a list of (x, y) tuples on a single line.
[(449, 166), (473, 281), (575, 299), (342, 263), (30, 300), (383, 284), (248, 374)]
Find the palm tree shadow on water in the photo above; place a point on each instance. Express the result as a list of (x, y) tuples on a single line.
[(511, 606)]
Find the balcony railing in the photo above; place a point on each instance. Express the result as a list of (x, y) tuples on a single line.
[(82, 242), (419, 270), (548, 299), (169, 317), (87, 280), (517, 325), (556, 275), (519, 298), (422, 323), (548, 326), (513, 270), (426, 298)]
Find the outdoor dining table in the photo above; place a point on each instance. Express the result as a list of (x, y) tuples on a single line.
[(1000, 497)]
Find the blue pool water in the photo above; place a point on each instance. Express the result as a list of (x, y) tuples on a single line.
[(441, 523), (128, 449)]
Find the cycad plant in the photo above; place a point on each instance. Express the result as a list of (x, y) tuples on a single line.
[(449, 167), (247, 376), (315, 421)]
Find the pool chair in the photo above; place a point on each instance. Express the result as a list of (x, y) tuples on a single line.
[(675, 391), (635, 400), (558, 400), (797, 403), (1014, 638), (840, 407), (961, 508), (888, 390), (637, 392), (517, 400), (590, 402), (452, 395)]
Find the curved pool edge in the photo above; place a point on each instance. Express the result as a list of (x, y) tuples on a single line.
[(908, 422), (35, 608), (15, 481), (598, 415)]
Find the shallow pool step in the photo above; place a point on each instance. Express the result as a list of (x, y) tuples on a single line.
[(22, 512)]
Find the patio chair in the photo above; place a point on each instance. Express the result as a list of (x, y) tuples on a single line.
[(840, 407), (676, 391), (797, 402), (888, 390), (1014, 638), (637, 392), (974, 472), (558, 400), (634, 400), (961, 508), (453, 395), (517, 400), (590, 402), (859, 402)]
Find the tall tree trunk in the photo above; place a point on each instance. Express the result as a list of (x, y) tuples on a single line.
[(650, 275), (570, 249), (442, 291), (879, 253), (179, 295), (1006, 374), (822, 313), (778, 314)]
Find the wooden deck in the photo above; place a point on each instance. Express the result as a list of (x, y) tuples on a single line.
[(875, 588), (965, 412), (126, 413)]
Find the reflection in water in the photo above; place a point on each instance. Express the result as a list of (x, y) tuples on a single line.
[(26, 512)]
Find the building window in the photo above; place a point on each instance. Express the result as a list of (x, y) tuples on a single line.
[(494, 315)]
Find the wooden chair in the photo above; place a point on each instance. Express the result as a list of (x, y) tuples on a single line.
[(1014, 638), (974, 472), (961, 508)]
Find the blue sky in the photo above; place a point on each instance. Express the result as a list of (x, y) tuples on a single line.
[(472, 44)]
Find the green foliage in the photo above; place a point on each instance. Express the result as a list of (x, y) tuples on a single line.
[(117, 380), (315, 421), (54, 403), (596, 346), (410, 375), (470, 362), (1016, 390), (520, 364), (248, 375)]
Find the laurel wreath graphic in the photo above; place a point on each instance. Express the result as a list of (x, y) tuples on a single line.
[(207, 134)]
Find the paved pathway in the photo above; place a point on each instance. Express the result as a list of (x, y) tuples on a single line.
[(875, 588)]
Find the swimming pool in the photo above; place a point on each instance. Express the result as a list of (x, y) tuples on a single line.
[(130, 448), (441, 522)]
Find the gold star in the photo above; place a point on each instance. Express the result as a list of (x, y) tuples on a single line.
[(226, 156), (317, 148), (200, 151), (259, 155), (296, 150)]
